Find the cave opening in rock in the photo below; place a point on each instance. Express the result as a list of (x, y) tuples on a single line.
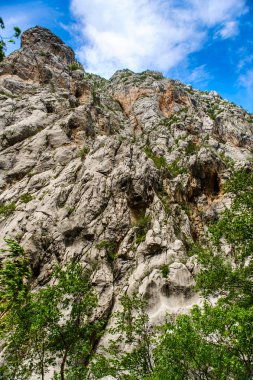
[(49, 108), (78, 93), (213, 184)]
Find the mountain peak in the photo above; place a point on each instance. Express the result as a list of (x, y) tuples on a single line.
[(43, 58), (43, 40)]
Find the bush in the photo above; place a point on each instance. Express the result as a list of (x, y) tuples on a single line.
[(110, 248), (7, 208), (159, 161), (25, 198), (83, 152), (175, 169), (191, 148), (142, 226), (74, 66), (168, 121), (214, 343), (165, 270)]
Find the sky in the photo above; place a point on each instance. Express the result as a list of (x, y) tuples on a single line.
[(205, 43)]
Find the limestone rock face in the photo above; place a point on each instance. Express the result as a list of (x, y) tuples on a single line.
[(43, 58), (121, 173)]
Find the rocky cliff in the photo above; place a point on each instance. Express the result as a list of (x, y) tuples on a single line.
[(122, 174)]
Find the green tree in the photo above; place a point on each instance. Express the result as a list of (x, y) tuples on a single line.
[(231, 277), (3, 40), (49, 325), (209, 344), (74, 335), (132, 326), (15, 277)]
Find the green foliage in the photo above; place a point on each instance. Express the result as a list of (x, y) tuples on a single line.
[(241, 181), (227, 160), (189, 90), (158, 76), (95, 96), (163, 196), (89, 75), (53, 323), (165, 270), (250, 118), (159, 161), (185, 206), (31, 174), (191, 148), (25, 198), (74, 66), (15, 274), (214, 343), (168, 121), (142, 226), (175, 169), (110, 248), (83, 152), (236, 223), (204, 92), (131, 323), (213, 111), (70, 210), (232, 276), (148, 73), (16, 34), (125, 75), (7, 208)]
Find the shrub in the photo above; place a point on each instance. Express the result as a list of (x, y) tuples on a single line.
[(83, 152), (25, 198), (159, 161), (110, 247), (163, 196), (7, 208), (174, 169), (74, 66), (191, 148), (168, 121), (165, 270), (185, 206), (142, 227)]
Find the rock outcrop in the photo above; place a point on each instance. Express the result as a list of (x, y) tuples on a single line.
[(121, 174)]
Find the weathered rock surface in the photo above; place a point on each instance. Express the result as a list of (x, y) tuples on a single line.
[(122, 173)]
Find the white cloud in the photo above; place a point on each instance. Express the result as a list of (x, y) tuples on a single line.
[(229, 29), (213, 12), (199, 76), (154, 34), (245, 57), (246, 91), (246, 80)]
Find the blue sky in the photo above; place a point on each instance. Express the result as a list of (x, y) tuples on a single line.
[(206, 43)]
